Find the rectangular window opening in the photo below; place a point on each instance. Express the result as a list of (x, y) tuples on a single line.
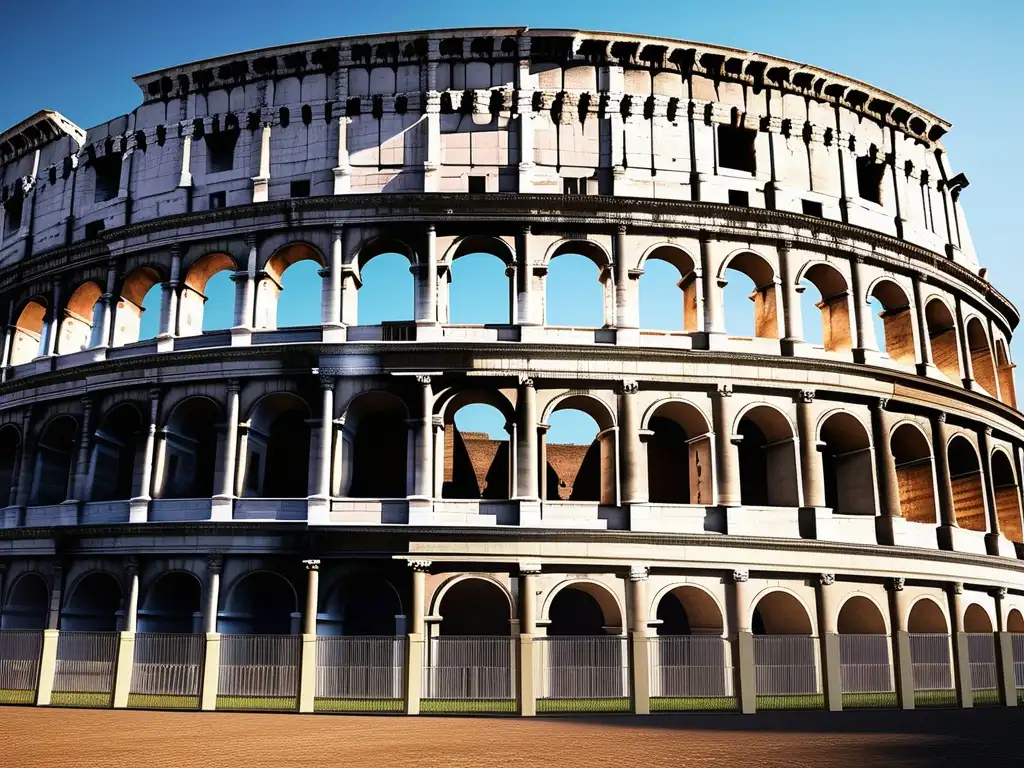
[(220, 151), (869, 179), (300, 188), (108, 177), (218, 200), (477, 184), (812, 208), (736, 148), (252, 475), (738, 197), (12, 214), (93, 229)]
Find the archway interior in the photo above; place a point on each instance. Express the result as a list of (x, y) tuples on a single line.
[(942, 336), (977, 620), (278, 448), (1015, 622), (54, 453), (289, 295), (767, 459), (896, 334), (583, 610), (579, 456), (172, 605), (261, 603), (1004, 370), (780, 613), (473, 607), (477, 464), (847, 464), (386, 293), (981, 356), (28, 333), (137, 316), (94, 605), (376, 443), (575, 292), (115, 447), (688, 611), (27, 604), (679, 456), (860, 616), (927, 618), (750, 278), (965, 478), (668, 291), (1007, 495), (207, 297), (479, 293), (10, 444), (362, 604), (76, 328), (829, 300), (188, 456), (912, 456)]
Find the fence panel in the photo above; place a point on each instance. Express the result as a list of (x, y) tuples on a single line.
[(690, 672), (932, 668), (865, 667), (1017, 639), (786, 672), (86, 663), (168, 670), (259, 672), (583, 674), (470, 674), (360, 674), (981, 654), (19, 665)]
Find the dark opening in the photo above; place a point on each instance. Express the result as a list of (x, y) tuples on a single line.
[(287, 468), (869, 179), (812, 208), (737, 197), (753, 465), (108, 177), (478, 184), (668, 462), (13, 207), (220, 151), (93, 229), (736, 148), (300, 188), (378, 456), (218, 200), (474, 607), (574, 612), (672, 616)]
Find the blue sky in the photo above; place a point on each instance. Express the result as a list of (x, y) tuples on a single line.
[(959, 60)]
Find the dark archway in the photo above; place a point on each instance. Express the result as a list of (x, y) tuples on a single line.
[(172, 604), (965, 478), (54, 455), (363, 604), (27, 604), (766, 450), (475, 607), (115, 447), (913, 458), (278, 440), (190, 450), (94, 605), (10, 445), (679, 456), (847, 464), (261, 603), (376, 436)]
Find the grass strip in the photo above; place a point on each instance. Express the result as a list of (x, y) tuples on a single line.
[(466, 706), (875, 700), (794, 701), (583, 705), (259, 703), (16, 696), (694, 704), (162, 701), (358, 705), (930, 698), (82, 699)]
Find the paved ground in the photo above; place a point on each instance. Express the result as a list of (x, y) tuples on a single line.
[(88, 738)]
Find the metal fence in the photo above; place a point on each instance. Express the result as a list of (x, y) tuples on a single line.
[(932, 669), (19, 665), (583, 673), (360, 674), (981, 653), (259, 671), (86, 663), (786, 665), (471, 669), (865, 664), (689, 666), (1017, 641), (168, 670)]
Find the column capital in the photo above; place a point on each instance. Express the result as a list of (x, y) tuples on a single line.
[(529, 569), (525, 380), (234, 385), (895, 584), (740, 575), (941, 417), (337, 230), (215, 562), (87, 402), (957, 587), (423, 379), (250, 239), (620, 229), (805, 396), (311, 565), (827, 579), (987, 430), (723, 390), (327, 377), (784, 246), (630, 386), (639, 573), (880, 403), (1000, 593), (155, 393), (131, 565), (421, 566)]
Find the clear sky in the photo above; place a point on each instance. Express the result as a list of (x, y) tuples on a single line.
[(959, 60)]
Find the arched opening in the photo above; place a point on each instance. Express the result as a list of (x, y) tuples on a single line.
[(585, 654), (927, 618), (28, 333), (362, 604), (76, 328), (187, 457), (277, 448), (1007, 494), (942, 336), (172, 605), (860, 616), (1004, 370), (913, 458), (766, 450), (375, 443), (679, 456), (668, 276), (115, 454), (294, 266), (27, 604), (689, 655), (1015, 624), (54, 453), (579, 451), (981, 356), (965, 477), (847, 463), (864, 651), (833, 305), (10, 443), (750, 276), (137, 316), (207, 296), (474, 607), (897, 321), (386, 289), (94, 605), (780, 613), (261, 603), (583, 609), (929, 647), (479, 290), (477, 452), (977, 620), (688, 611), (584, 276), (785, 659)]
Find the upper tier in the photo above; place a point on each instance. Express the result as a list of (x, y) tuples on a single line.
[(488, 110)]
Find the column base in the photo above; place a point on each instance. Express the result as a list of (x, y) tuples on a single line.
[(529, 513), (998, 545), (641, 673), (221, 508), (138, 509), (318, 510), (99, 353), (832, 676), (929, 370), (428, 331), (421, 510), (532, 333), (12, 517), (342, 180), (794, 347), (867, 356), (955, 539), (627, 337), (241, 337), (335, 333), (746, 672), (165, 342)]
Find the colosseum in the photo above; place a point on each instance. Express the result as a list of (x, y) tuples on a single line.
[(823, 514)]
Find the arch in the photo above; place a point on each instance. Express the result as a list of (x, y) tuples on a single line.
[(51, 480), (377, 245), (860, 615), (277, 447), (1015, 621), (93, 604), (836, 334), (78, 321), (977, 619), (582, 312), (468, 245), (361, 603), (475, 465), (130, 306), (926, 617), (688, 609), (764, 296), (685, 265), (942, 336), (28, 333), (780, 612), (588, 248), (767, 450), (187, 453), (471, 605), (477, 289), (981, 356), (172, 604), (582, 607), (193, 298), (260, 603), (27, 605), (117, 450), (912, 454), (576, 472), (10, 452), (847, 463), (1006, 491), (897, 320), (678, 453), (375, 443), (965, 478), (1004, 372), (384, 290), (270, 287)]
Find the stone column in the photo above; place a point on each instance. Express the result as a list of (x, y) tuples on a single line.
[(139, 505), (899, 611), (426, 282), (627, 309), (947, 513), (988, 491), (526, 298), (307, 672), (745, 667), (261, 181), (792, 318), (169, 305), (103, 325), (245, 297), (641, 687), (528, 573), (414, 661), (526, 445), (211, 664), (320, 502), (885, 471), (966, 363), (831, 672), (1005, 675), (714, 304), (52, 327), (332, 315), (424, 476), (727, 459), (926, 367), (126, 643), (634, 478), (812, 471), (961, 654), (865, 342), (80, 490), (48, 652), (223, 502)]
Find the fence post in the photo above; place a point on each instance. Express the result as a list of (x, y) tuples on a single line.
[(962, 660), (414, 674), (123, 670), (527, 677), (904, 670), (47, 667), (832, 675), (639, 661), (1007, 680), (211, 673), (307, 673), (307, 662), (746, 672)]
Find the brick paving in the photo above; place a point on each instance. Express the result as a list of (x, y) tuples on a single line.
[(92, 738)]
